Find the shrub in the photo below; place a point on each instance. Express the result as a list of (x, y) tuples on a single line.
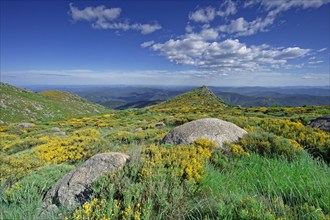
[(73, 148), (269, 144)]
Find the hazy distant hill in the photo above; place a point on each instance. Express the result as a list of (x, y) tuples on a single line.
[(18, 105), (122, 97), (275, 99)]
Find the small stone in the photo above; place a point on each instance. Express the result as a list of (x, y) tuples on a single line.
[(138, 130), (25, 125), (160, 124), (55, 129), (60, 133)]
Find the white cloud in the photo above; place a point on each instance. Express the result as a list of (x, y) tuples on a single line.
[(284, 5), (98, 14), (315, 62), (189, 28), (147, 44), (241, 27), (207, 14), (203, 51), (203, 15), (322, 49), (148, 28), (101, 17), (227, 8)]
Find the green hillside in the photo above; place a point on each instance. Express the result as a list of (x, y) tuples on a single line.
[(280, 170), (19, 105), (200, 99)]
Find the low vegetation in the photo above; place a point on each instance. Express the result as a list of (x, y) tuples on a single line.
[(280, 170), (19, 105)]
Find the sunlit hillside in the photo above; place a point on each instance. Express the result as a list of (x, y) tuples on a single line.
[(279, 170), (19, 105)]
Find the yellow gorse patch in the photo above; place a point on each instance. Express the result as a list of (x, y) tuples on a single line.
[(73, 148), (184, 161)]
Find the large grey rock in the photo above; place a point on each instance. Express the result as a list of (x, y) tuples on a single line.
[(213, 129), (321, 123), (74, 188)]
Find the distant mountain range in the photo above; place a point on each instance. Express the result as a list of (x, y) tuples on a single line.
[(123, 97)]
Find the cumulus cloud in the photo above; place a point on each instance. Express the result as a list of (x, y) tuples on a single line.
[(209, 13), (241, 27), (203, 51), (227, 8), (101, 17), (203, 15)]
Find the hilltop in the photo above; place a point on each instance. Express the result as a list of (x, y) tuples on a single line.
[(23, 105), (201, 99)]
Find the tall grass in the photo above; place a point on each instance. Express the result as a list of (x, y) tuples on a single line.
[(24, 199), (260, 188)]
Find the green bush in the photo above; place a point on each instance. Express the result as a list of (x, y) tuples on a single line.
[(268, 144)]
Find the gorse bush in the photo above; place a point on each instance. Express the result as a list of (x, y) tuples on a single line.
[(317, 142), (268, 144), (186, 162), (72, 148)]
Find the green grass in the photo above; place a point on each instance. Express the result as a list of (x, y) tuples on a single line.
[(276, 186), (276, 181), (24, 199), (19, 105)]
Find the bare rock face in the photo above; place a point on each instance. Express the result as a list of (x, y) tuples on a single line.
[(213, 129), (321, 123), (74, 188)]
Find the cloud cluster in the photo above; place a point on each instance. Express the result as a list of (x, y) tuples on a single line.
[(201, 50), (242, 27), (208, 50), (101, 17), (209, 13)]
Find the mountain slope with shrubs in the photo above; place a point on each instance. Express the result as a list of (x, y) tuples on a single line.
[(24, 105), (279, 170)]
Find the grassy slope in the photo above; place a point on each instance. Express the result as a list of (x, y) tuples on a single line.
[(255, 187), (19, 105), (198, 99)]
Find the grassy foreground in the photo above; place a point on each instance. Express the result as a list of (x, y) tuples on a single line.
[(279, 171)]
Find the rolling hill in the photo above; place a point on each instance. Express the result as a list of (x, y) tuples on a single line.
[(17, 105), (279, 170)]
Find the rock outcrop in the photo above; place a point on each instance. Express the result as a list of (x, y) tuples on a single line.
[(213, 129), (321, 123), (73, 189), (25, 125)]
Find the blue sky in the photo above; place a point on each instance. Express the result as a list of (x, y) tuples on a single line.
[(219, 43)]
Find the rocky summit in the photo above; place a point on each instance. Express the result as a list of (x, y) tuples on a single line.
[(213, 129)]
